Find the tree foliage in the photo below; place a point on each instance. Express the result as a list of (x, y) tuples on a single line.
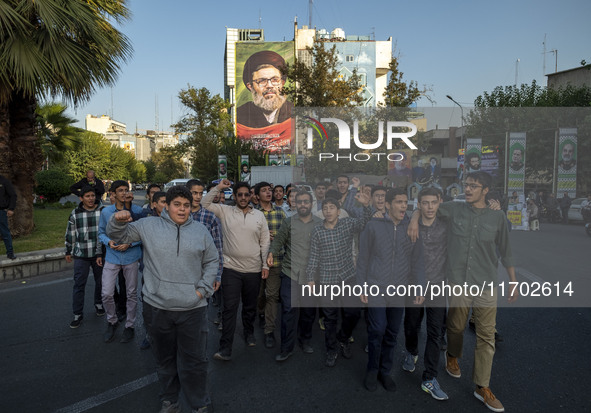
[(55, 131), (209, 133), (318, 84), (53, 184), (50, 48), (168, 165)]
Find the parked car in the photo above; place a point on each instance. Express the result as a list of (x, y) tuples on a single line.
[(138, 187), (574, 213), (175, 182)]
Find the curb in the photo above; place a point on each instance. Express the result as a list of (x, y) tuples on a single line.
[(32, 264)]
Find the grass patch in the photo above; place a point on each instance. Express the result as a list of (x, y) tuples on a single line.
[(49, 232)]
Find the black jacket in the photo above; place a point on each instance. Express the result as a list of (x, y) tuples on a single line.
[(98, 186), (7, 194)]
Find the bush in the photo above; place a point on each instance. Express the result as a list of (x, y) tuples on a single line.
[(53, 184)]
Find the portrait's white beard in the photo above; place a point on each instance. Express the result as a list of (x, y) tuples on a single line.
[(566, 157), (268, 104)]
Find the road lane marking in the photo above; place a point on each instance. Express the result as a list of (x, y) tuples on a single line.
[(109, 395), (43, 284)]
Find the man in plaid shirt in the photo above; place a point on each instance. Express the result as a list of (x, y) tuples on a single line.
[(331, 258), (269, 290), (82, 243), (211, 222)]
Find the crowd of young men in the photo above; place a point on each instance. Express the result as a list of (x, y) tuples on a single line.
[(266, 252)]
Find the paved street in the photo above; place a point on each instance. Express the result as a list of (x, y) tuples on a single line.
[(542, 366)]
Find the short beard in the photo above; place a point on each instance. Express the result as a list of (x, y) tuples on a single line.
[(268, 105)]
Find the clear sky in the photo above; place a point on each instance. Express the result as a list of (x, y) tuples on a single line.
[(460, 48)]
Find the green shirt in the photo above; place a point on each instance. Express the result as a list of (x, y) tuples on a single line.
[(294, 235), (473, 238)]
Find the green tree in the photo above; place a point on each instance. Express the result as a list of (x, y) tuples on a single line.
[(150, 167), (204, 126), (168, 165), (398, 93), (318, 84), (53, 184), (55, 131), (50, 48)]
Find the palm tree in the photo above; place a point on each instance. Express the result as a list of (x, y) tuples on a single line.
[(50, 48), (55, 131)]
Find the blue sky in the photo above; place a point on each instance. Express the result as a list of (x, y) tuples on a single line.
[(460, 48)]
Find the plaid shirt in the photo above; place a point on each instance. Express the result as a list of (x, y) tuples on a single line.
[(330, 250), (214, 226), (274, 219), (82, 239)]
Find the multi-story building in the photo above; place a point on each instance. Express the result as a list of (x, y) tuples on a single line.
[(141, 145)]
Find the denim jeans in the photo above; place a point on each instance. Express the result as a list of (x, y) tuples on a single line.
[(5, 232), (290, 301), (382, 329), (413, 318), (179, 343), (81, 270)]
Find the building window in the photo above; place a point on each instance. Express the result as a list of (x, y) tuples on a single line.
[(349, 58)]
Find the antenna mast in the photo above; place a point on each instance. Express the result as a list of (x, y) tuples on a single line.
[(310, 6)]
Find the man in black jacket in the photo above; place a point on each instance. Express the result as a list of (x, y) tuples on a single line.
[(90, 180), (7, 204)]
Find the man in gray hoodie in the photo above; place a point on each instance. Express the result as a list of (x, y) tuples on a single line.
[(180, 267)]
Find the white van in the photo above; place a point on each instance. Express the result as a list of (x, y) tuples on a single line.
[(175, 182)]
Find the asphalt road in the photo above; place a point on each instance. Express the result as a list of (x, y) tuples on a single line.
[(542, 365)]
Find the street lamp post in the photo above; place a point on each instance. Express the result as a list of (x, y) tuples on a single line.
[(462, 110)]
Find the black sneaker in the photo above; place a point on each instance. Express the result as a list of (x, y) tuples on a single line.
[(331, 358), (346, 349), (128, 334), (371, 380), (307, 348), (110, 332), (283, 356), (250, 340), (76, 321), (11, 256), (100, 311), (269, 340), (387, 381)]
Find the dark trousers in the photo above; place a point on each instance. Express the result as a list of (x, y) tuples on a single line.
[(291, 299), (565, 215), (179, 344), (237, 285), (350, 316), (413, 317), (382, 330), (81, 270), (5, 232)]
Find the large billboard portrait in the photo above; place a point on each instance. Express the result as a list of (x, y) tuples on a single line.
[(263, 114)]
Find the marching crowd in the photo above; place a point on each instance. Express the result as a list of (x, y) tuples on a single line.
[(271, 246)]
